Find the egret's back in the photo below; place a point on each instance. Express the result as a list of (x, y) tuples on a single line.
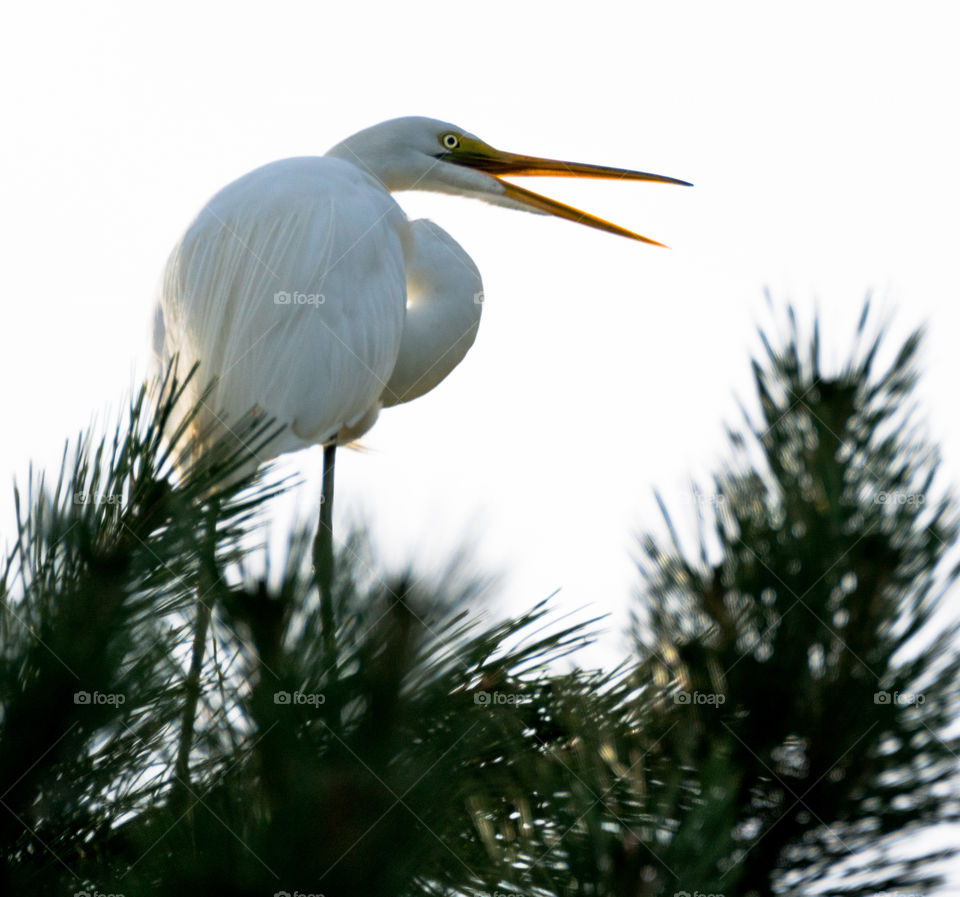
[(289, 289)]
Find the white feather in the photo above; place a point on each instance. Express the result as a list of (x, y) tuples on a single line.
[(325, 236)]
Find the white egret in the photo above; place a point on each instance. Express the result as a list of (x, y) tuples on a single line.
[(304, 291)]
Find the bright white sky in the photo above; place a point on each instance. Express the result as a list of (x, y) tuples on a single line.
[(824, 146)]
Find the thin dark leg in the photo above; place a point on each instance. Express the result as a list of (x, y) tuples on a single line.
[(323, 551)]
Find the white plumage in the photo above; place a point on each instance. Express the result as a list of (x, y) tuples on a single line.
[(291, 288), (306, 294)]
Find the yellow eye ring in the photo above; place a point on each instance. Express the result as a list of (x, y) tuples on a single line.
[(450, 141)]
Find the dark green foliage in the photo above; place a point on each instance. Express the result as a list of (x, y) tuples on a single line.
[(426, 750), (93, 596), (807, 611)]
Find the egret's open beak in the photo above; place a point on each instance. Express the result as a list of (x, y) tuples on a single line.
[(478, 155)]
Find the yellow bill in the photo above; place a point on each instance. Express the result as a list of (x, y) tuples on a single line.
[(474, 153)]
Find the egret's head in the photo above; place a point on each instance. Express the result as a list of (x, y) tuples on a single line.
[(425, 154)]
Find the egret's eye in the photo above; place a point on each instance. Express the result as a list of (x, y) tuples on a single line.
[(450, 141)]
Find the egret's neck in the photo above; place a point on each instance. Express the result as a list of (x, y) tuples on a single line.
[(372, 153), (444, 301)]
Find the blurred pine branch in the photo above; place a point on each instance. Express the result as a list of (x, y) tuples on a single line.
[(802, 625), (785, 712)]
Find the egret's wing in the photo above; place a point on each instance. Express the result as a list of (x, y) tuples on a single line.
[(444, 301), (289, 288)]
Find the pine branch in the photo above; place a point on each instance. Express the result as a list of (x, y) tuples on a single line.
[(809, 636)]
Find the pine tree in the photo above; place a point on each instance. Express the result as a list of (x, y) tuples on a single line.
[(803, 689), (785, 708)]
